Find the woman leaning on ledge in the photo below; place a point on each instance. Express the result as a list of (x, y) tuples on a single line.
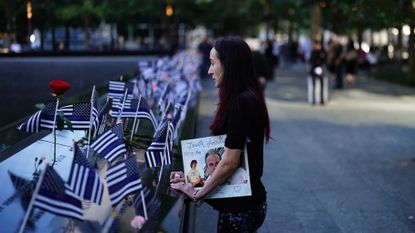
[(243, 116)]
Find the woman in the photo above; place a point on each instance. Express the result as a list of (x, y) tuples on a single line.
[(317, 61), (241, 115), (350, 58)]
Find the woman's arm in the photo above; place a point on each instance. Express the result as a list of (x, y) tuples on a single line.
[(226, 167)]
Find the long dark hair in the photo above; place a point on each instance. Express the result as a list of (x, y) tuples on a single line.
[(238, 76)]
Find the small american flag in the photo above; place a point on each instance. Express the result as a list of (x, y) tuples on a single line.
[(48, 114), (79, 115), (110, 144), (42, 119), (123, 179), (95, 117), (159, 151), (162, 102), (116, 90), (179, 116), (83, 179), (101, 119), (55, 197), (144, 88), (143, 64), (133, 110)]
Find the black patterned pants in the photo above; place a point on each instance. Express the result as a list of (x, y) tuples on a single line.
[(243, 222)]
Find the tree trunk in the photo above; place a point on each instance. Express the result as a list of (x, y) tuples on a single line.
[(398, 45), (67, 36), (411, 51), (112, 39), (42, 38), (360, 37), (315, 21), (86, 32), (267, 17), (54, 45), (290, 31)]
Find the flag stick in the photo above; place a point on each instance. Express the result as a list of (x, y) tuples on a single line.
[(165, 111), (120, 112), (137, 125), (189, 94), (160, 102), (90, 120), (115, 211), (158, 183), (144, 204), (104, 119), (123, 103), (183, 112), (135, 118), (54, 131), (167, 147), (102, 126), (29, 208)]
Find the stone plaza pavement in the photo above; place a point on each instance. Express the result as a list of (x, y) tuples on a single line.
[(348, 166)]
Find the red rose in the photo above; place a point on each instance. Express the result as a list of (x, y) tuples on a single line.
[(59, 87)]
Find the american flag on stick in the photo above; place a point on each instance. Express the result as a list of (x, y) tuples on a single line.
[(83, 179), (123, 179)]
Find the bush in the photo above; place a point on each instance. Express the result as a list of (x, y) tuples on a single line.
[(394, 72)]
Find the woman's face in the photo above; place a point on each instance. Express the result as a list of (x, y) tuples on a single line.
[(216, 68)]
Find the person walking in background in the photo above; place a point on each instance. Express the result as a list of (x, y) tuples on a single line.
[(306, 47), (243, 117), (260, 63), (351, 61), (334, 62), (293, 50), (317, 61), (261, 69), (271, 58)]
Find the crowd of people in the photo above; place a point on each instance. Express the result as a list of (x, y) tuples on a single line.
[(341, 60)]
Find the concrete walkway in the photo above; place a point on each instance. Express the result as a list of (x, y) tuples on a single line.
[(344, 167)]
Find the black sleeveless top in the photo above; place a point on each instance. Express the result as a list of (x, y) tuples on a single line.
[(243, 123)]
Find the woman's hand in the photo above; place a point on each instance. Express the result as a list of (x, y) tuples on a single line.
[(176, 177), (186, 189), (177, 183)]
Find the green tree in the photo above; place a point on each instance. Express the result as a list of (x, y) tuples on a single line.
[(346, 16), (44, 18), (87, 13), (14, 21)]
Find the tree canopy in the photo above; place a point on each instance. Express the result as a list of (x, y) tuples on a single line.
[(222, 16)]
